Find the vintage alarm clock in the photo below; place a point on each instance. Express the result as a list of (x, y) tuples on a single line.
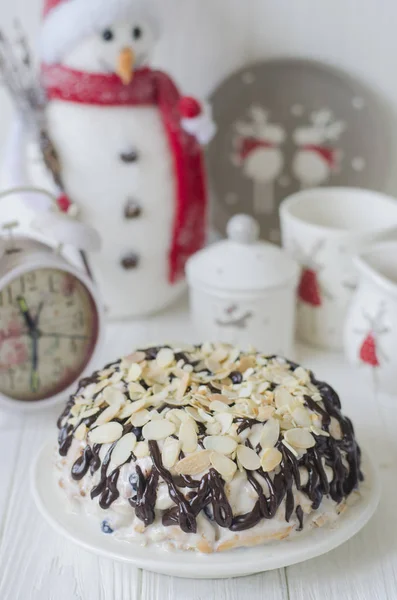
[(51, 316)]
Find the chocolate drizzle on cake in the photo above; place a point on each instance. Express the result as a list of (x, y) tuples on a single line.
[(299, 515), (82, 464), (208, 494), (145, 498), (186, 517)]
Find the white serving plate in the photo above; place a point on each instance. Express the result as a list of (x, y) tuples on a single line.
[(245, 561)]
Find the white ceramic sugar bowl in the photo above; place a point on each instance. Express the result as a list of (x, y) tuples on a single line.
[(242, 291)]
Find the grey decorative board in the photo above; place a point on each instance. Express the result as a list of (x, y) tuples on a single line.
[(285, 125)]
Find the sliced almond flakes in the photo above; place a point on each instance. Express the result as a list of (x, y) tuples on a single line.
[(132, 408), (246, 362), (170, 452), (141, 450), (282, 397), (225, 466), (183, 385), (300, 438), (225, 419), (271, 458), (158, 429), (106, 434), (81, 432), (223, 444), (140, 418), (188, 436), (248, 458), (194, 464), (134, 372), (88, 413), (123, 449), (108, 414), (112, 396), (270, 433), (221, 398), (217, 406), (165, 357), (136, 357)]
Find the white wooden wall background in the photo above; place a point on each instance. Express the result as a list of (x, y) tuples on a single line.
[(204, 40)]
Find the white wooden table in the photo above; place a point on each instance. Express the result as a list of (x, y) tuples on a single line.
[(37, 564)]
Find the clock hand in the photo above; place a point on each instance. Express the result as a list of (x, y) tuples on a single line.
[(33, 333), (34, 375), (37, 317), (66, 336), (25, 312)]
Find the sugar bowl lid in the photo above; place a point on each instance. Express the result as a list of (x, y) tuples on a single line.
[(242, 262)]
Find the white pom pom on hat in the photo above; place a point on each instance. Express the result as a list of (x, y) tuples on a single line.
[(67, 22)]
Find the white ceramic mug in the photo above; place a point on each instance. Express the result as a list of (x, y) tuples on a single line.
[(323, 229), (371, 324)]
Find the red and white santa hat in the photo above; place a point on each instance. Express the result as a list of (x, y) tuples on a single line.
[(67, 22)]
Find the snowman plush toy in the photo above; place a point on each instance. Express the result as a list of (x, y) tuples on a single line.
[(129, 148)]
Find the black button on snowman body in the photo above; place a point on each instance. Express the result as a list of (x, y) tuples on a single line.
[(132, 210), (129, 156), (130, 261)]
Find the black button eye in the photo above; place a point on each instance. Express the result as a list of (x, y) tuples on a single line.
[(107, 35), (137, 33)]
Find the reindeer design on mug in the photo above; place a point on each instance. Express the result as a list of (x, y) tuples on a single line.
[(311, 291), (258, 152), (316, 158), (370, 351), (231, 319)]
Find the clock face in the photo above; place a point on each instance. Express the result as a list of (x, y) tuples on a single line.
[(48, 331)]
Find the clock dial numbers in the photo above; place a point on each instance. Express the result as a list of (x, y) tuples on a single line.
[(48, 331)]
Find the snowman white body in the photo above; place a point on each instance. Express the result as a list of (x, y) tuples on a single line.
[(90, 140)]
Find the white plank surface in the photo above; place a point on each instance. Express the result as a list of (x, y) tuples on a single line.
[(269, 586), (37, 564), (366, 566), (10, 435)]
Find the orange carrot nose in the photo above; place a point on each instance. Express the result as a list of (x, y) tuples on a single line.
[(125, 65)]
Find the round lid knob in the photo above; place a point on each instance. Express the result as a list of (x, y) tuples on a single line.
[(243, 229)]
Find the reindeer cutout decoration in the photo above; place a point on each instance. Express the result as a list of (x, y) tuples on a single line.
[(257, 151), (316, 157)]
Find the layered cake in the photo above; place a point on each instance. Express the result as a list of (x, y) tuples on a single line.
[(206, 448)]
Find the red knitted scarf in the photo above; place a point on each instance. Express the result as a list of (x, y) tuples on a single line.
[(152, 88)]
